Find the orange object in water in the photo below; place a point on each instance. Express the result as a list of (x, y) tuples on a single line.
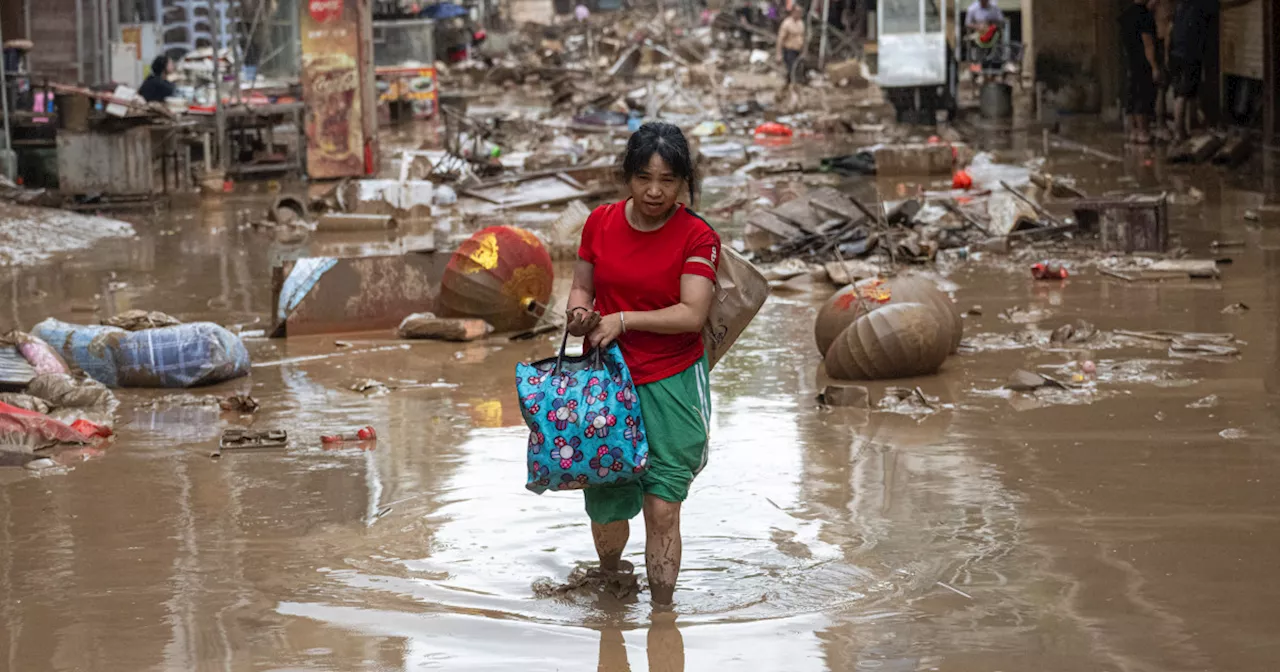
[(1049, 270), (962, 180), (502, 275), (774, 128)]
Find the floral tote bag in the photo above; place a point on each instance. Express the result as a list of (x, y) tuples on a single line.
[(585, 427)]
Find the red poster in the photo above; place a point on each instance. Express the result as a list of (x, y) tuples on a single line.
[(332, 86)]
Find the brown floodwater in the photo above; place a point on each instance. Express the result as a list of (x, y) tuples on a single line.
[(1133, 525)]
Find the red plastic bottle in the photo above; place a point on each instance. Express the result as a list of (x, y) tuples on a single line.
[(365, 433)]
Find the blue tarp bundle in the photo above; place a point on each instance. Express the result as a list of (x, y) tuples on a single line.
[(186, 355)]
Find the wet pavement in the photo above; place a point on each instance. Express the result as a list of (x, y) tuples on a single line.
[(1128, 526)]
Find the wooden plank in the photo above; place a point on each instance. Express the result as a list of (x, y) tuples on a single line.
[(798, 213), (566, 178), (763, 219), (831, 201)]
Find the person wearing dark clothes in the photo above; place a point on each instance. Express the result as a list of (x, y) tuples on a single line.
[(1162, 10), (746, 18), (1138, 37), (157, 86), (1187, 43)]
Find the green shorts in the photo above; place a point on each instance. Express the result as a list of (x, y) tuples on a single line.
[(677, 420)]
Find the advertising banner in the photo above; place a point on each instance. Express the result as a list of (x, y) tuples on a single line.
[(332, 83), (416, 86)]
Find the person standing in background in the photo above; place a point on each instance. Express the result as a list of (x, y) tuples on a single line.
[(1162, 11), (791, 39), (1188, 39), (984, 19), (1138, 36)]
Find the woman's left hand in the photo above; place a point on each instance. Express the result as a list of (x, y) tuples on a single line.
[(605, 333)]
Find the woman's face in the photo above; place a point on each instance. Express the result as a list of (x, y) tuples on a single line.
[(655, 187)]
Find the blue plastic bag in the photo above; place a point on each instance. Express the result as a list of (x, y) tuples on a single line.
[(585, 427), (186, 355)]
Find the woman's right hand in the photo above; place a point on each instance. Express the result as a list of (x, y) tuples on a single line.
[(582, 321)]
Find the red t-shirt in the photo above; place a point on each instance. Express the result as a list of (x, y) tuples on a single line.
[(639, 271)]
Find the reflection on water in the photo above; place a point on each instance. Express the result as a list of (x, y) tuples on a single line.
[(1122, 534)]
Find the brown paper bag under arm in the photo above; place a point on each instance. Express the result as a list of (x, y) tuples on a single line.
[(740, 291)]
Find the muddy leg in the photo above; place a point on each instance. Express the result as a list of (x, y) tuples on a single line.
[(1142, 136), (662, 547), (611, 539), (1181, 124), (1162, 113)]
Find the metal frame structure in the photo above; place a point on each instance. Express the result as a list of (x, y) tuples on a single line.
[(911, 56), (918, 69)]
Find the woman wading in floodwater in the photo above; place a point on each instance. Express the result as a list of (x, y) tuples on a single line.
[(645, 278)]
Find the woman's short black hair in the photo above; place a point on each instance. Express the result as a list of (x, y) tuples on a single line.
[(160, 65), (667, 141)]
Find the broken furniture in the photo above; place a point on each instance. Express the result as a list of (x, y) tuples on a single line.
[(1134, 223), (251, 138)]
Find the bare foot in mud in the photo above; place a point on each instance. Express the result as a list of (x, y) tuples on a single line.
[(621, 583)]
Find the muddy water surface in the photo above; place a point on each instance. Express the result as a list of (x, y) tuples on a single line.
[(1119, 527)]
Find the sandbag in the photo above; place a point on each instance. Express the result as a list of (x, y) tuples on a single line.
[(71, 399), (26, 402), (187, 355), (740, 291), (896, 341)]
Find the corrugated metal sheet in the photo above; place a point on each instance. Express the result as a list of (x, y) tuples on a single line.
[(15, 372), (1242, 38), (106, 163)]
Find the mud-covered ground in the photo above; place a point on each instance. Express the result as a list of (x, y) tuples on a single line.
[(1130, 525)]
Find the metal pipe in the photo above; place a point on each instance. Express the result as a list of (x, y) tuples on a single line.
[(79, 42), (826, 28), (219, 113), (4, 97)]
